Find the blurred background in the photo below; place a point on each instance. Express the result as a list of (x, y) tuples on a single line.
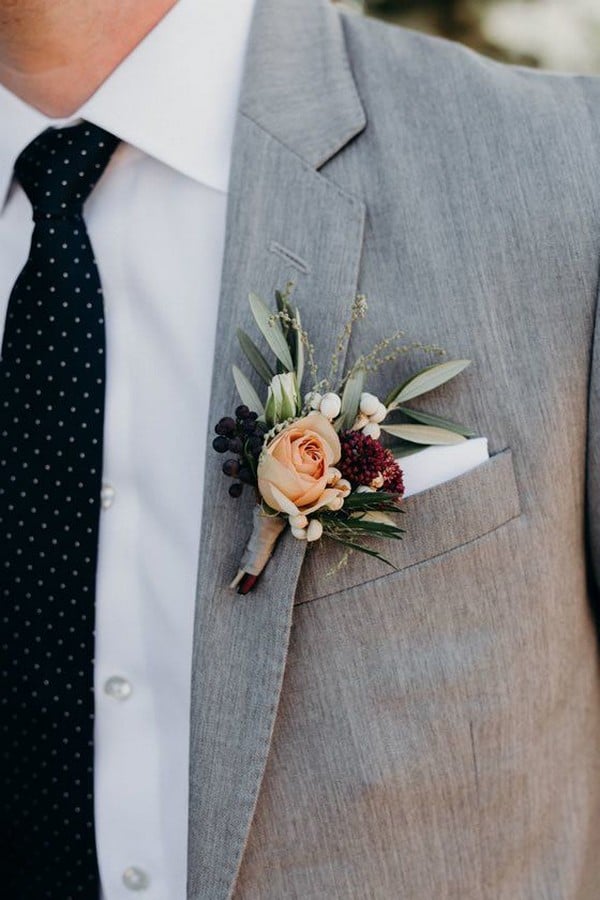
[(563, 35)]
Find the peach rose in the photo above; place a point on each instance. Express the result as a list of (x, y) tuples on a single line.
[(296, 470)]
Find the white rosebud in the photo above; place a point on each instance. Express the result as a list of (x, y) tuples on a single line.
[(313, 400), (333, 476), (298, 521), (282, 398), (379, 414), (365, 489), (378, 481), (314, 530), (299, 533), (372, 430), (330, 406), (368, 404), (336, 504)]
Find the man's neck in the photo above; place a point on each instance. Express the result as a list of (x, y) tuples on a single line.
[(54, 54)]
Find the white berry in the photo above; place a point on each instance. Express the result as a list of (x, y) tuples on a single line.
[(313, 400), (314, 530), (330, 406), (379, 414), (368, 404), (298, 521), (372, 430)]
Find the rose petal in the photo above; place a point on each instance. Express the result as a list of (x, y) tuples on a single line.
[(323, 427), (286, 479), (276, 500), (324, 500), (307, 456), (311, 494)]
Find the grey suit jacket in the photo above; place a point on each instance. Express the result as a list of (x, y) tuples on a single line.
[(432, 731)]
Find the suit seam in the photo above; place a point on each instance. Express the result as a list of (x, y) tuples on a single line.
[(594, 344), (421, 562), (477, 786)]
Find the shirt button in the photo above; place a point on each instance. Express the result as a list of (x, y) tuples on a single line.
[(135, 879), (119, 689), (107, 496)]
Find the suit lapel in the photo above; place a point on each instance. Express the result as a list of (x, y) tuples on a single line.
[(285, 222)]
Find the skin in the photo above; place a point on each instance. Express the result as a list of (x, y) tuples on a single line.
[(54, 54)]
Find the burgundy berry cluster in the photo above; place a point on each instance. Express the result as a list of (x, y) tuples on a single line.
[(365, 461), (243, 436)]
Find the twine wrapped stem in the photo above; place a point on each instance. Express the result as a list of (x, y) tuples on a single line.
[(265, 533)]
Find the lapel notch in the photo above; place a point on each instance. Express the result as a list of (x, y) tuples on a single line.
[(298, 84)]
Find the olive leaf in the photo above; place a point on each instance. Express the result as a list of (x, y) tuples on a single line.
[(351, 399), (424, 434), (426, 380), (401, 451), (255, 357), (436, 421), (299, 351), (272, 331), (280, 301), (247, 393)]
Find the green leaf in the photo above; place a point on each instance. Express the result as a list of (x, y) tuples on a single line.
[(372, 500), (272, 331), (436, 421), (403, 450), (382, 518), (299, 352), (280, 301), (423, 434), (351, 399), (255, 357), (250, 460), (247, 393), (378, 529), (361, 548), (426, 380)]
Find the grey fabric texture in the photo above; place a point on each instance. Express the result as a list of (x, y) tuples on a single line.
[(431, 730)]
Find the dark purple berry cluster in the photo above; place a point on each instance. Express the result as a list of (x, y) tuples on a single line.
[(242, 436)]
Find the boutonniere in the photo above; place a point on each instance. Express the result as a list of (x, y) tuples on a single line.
[(326, 462)]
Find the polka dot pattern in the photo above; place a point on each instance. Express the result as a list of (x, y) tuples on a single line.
[(52, 394)]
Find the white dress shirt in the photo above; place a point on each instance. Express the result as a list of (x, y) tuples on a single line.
[(157, 224)]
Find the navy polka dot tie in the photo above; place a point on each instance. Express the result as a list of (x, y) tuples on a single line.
[(52, 390)]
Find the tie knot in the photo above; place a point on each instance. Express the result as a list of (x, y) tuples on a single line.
[(59, 169)]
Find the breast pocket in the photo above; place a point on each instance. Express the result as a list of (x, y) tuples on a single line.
[(437, 521)]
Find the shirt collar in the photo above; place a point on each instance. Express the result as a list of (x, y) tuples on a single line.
[(174, 97)]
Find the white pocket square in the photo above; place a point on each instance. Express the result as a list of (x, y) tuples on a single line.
[(435, 465)]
